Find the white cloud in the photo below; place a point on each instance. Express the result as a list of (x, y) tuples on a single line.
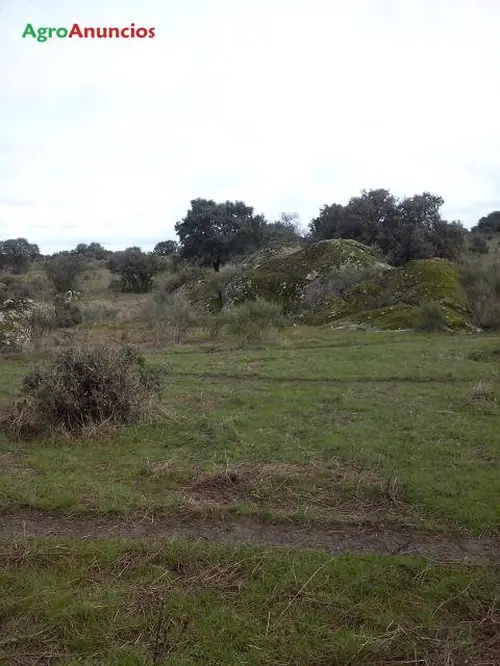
[(288, 105)]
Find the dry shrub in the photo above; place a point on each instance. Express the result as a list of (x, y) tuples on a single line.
[(99, 313), (481, 281), (252, 321), (83, 390), (186, 274), (17, 290), (431, 318), (170, 316)]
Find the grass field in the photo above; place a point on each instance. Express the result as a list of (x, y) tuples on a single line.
[(379, 446)]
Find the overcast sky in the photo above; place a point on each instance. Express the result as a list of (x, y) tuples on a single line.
[(285, 104)]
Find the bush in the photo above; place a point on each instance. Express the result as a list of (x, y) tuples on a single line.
[(64, 269), (210, 293), (43, 320), (431, 318), (135, 268), (481, 282), (84, 390), (251, 321), (67, 315), (99, 313), (479, 245), (18, 290), (184, 275), (115, 284), (173, 315)]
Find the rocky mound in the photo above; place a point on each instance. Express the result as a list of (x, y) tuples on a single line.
[(342, 282), (393, 300), (285, 278)]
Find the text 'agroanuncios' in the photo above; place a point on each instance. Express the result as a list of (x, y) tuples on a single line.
[(130, 32)]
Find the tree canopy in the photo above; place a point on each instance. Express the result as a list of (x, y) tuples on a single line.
[(489, 224), (16, 254), (92, 251), (213, 233), (135, 268), (403, 229), (284, 230), (166, 248)]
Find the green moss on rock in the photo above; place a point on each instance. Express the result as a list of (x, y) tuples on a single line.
[(283, 279), (393, 301), (385, 297)]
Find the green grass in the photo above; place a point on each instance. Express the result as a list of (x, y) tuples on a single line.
[(414, 410), (326, 427), (149, 604)]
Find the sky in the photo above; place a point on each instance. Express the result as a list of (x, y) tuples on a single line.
[(287, 105)]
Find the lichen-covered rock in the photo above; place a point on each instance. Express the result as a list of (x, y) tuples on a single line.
[(284, 278), (392, 302), (15, 324), (344, 283)]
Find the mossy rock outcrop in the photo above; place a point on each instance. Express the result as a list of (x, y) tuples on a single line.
[(343, 282), (393, 301), (209, 291), (284, 278)]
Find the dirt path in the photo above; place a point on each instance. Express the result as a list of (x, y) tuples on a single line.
[(339, 539)]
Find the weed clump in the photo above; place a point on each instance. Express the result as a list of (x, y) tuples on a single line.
[(482, 284), (84, 390), (431, 318), (67, 315), (184, 275), (251, 321), (170, 316)]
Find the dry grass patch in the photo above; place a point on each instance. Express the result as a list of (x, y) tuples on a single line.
[(345, 491)]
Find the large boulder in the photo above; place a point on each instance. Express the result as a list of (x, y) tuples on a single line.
[(285, 278), (341, 282), (393, 300)]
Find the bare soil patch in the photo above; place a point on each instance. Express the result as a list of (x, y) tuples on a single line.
[(340, 539)]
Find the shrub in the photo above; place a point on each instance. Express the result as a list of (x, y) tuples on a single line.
[(431, 318), (67, 315), (135, 268), (18, 290), (43, 320), (84, 390), (171, 314), (115, 284), (479, 245), (15, 324), (481, 282), (184, 275), (98, 313), (64, 269), (210, 293), (252, 320)]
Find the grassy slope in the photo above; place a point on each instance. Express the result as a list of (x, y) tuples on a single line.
[(365, 419), (395, 408), (152, 604)]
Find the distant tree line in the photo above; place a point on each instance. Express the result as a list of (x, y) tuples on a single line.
[(212, 234), (17, 254)]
